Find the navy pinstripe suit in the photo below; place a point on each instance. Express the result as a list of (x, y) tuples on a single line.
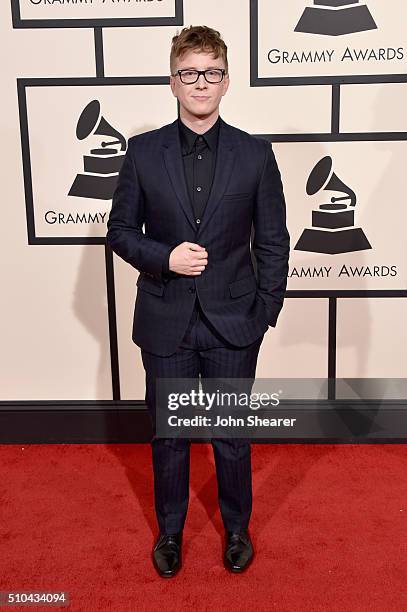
[(213, 323)]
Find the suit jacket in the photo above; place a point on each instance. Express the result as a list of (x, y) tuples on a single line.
[(243, 229)]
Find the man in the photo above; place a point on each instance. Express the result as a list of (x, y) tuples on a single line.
[(200, 185)]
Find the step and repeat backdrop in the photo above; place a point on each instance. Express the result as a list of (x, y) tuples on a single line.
[(323, 80)]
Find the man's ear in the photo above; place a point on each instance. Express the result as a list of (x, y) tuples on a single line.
[(225, 84)]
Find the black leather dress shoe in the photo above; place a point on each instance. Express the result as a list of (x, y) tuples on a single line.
[(238, 552), (167, 554)]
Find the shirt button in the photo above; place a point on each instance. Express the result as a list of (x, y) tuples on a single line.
[(199, 138), (199, 156), (198, 220), (199, 188)]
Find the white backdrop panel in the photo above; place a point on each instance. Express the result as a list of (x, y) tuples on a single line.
[(375, 172), (57, 156), (286, 49), (297, 346), (55, 326), (374, 108), (372, 340)]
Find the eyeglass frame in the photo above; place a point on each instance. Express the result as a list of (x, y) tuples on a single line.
[(178, 73)]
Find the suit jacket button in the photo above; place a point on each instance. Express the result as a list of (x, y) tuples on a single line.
[(191, 289)]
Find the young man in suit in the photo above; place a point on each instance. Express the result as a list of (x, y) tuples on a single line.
[(200, 186)]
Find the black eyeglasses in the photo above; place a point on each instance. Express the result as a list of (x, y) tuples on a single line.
[(212, 75)]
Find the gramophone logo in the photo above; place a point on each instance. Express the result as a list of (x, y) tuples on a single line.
[(336, 18), (101, 166), (333, 224)]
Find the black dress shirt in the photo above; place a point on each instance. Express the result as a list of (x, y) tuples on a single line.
[(199, 158)]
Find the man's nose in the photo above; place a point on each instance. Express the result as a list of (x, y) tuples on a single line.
[(201, 81)]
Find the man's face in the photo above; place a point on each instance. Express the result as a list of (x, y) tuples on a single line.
[(200, 99)]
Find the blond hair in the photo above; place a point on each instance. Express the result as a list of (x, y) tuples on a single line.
[(197, 38)]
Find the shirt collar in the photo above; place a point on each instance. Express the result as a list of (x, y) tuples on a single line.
[(188, 136)]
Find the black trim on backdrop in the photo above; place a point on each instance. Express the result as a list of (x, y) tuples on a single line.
[(111, 309), (332, 137), (99, 59), (95, 422), (254, 54), (256, 81), (332, 348), (336, 108), (346, 293), (120, 22), (26, 161)]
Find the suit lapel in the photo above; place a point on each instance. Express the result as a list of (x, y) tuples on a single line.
[(225, 159), (175, 168), (174, 164)]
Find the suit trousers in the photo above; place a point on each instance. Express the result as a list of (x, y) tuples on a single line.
[(202, 351)]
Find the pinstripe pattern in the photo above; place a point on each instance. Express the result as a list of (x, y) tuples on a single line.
[(202, 351), (211, 324)]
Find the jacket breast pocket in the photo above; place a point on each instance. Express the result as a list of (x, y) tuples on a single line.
[(146, 283), (243, 286), (236, 196)]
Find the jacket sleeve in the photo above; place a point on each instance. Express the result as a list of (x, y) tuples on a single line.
[(125, 222), (271, 240)]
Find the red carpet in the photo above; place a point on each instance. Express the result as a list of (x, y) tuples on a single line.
[(329, 525)]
